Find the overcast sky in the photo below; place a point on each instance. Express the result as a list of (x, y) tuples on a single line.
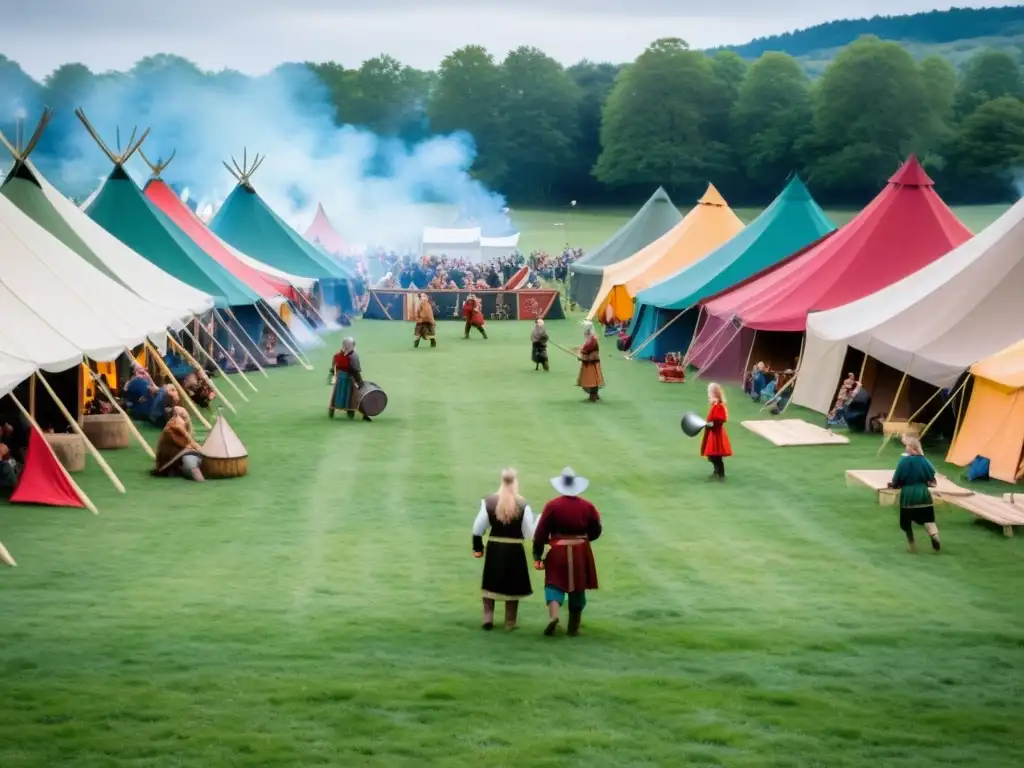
[(255, 35)]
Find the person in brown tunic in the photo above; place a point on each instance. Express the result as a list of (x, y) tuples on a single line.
[(506, 573), (590, 378), (177, 452), (425, 324)]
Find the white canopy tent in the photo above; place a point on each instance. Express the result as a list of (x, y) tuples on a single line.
[(498, 247), (932, 325), (13, 370), (463, 243)]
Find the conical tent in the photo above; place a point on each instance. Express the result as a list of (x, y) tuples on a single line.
[(931, 325), (993, 425), (42, 480), (708, 225), (323, 234), (222, 442), (792, 222), (36, 197), (904, 228), (656, 217), (248, 224)]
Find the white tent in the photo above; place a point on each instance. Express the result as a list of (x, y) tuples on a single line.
[(13, 371), (463, 243), (498, 247), (143, 277), (933, 324), (46, 286)]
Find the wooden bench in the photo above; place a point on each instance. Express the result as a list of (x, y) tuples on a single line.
[(1003, 512), (878, 480), (792, 432)]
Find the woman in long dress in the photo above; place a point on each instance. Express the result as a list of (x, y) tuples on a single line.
[(715, 445), (915, 476), (590, 378), (506, 574)]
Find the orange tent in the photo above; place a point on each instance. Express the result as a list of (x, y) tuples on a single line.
[(708, 225), (993, 426)]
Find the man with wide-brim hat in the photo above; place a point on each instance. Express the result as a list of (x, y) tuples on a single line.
[(567, 526)]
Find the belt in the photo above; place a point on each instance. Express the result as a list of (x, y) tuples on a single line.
[(504, 540), (570, 542)]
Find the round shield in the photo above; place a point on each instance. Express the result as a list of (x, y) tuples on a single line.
[(692, 424)]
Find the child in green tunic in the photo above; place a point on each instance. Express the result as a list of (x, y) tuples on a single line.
[(914, 476)]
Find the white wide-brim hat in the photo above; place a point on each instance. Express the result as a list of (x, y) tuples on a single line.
[(569, 483)]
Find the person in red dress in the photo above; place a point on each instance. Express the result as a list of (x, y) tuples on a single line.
[(715, 446), (474, 317), (567, 526)]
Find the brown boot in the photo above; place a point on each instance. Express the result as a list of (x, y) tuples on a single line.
[(488, 623), (433, 342), (575, 619), (511, 613), (416, 343)]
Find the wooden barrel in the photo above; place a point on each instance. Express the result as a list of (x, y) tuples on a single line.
[(372, 399), (220, 469), (107, 431), (70, 450)]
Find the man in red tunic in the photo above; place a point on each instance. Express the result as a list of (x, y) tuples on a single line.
[(474, 317), (568, 524)]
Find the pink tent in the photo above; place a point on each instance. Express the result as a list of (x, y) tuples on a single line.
[(321, 232)]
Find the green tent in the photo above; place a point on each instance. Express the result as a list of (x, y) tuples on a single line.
[(791, 223), (657, 216), (120, 207)]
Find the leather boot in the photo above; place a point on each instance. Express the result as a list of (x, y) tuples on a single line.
[(433, 342), (575, 619), (416, 343), (511, 613), (545, 365), (483, 333)]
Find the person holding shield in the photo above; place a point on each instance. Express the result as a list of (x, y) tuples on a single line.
[(348, 378)]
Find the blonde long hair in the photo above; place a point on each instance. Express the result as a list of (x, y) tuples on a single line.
[(507, 508), (715, 392)]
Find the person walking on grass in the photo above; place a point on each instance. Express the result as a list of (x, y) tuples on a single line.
[(506, 575), (539, 340), (567, 526), (590, 378), (715, 445), (914, 477)]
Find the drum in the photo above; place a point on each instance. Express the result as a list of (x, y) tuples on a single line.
[(372, 399)]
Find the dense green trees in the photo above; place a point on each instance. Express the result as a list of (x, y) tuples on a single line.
[(598, 132)]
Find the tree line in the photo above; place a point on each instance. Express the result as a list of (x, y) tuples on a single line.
[(603, 133)]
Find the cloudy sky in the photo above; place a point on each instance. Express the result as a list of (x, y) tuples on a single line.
[(255, 35)]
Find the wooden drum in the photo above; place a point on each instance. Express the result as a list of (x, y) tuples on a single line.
[(70, 450), (372, 399), (107, 431)]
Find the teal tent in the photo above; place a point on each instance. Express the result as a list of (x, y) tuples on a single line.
[(791, 223), (657, 216)]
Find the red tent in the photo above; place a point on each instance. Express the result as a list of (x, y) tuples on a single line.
[(321, 232), (43, 480), (905, 227), (163, 197)]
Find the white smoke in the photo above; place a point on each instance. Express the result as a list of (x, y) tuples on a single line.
[(375, 190)]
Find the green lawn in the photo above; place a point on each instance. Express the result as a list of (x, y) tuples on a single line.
[(550, 230), (325, 609)]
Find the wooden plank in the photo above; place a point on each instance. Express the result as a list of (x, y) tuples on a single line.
[(793, 432), (878, 479), (1002, 512)]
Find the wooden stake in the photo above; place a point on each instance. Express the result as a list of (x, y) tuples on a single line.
[(796, 373), (5, 556), (238, 341), (102, 384), (177, 385), (959, 410), (209, 357), (32, 395), (217, 345), (270, 324), (67, 475), (693, 337), (888, 437), (750, 354), (192, 361), (310, 305), (78, 431), (712, 360)]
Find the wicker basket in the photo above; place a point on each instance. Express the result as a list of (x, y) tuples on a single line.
[(69, 449), (107, 431), (221, 469)]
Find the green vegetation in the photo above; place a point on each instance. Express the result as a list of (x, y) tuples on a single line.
[(324, 609)]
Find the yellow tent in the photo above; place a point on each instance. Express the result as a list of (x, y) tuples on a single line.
[(710, 224), (994, 424)]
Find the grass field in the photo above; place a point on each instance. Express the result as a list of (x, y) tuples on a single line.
[(324, 610), (550, 230)]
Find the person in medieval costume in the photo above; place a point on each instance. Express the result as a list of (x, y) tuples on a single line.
[(425, 324), (471, 311), (590, 378), (348, 380), (506, 573), (567, 526), (715, 445), (539, 339), (177, 452)]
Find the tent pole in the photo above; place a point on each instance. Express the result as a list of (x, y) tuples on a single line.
[(209, 357), (945, 405), (693, 336), (177, 385), (796, 373), (959, 411), (704, 345), (78, 431), (887, 437), (67, 475), (657, 333), (917, 413), (298, 355), (102, 384), (218, 346), (201, 372), (238, 341), (309, 304), (32, 395), (712, 360), (750, 353)]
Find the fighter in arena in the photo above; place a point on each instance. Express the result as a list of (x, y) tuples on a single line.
[(590, 378), (348, 378), (471, 310), (425, 324)]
